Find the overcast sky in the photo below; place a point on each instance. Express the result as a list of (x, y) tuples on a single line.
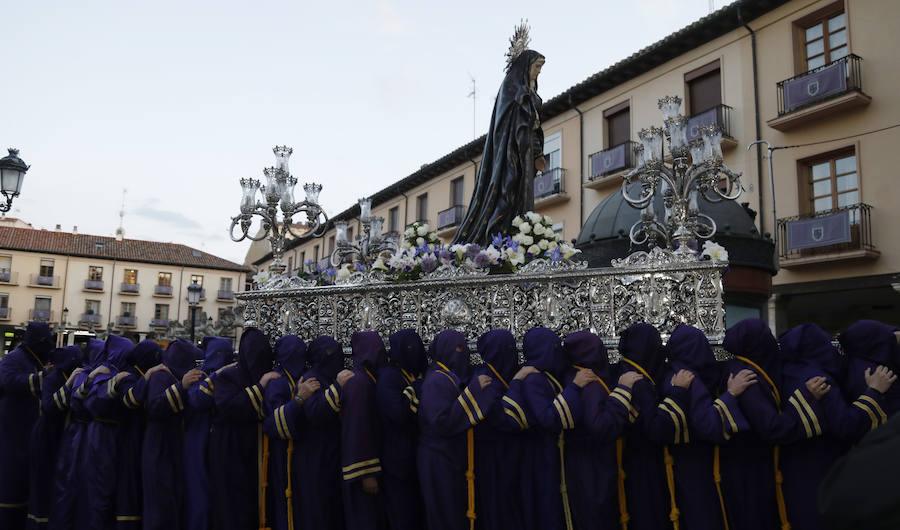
[(175, 101)]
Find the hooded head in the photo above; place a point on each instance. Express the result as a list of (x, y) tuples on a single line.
[(255, 355), (586, 349), (408, 351), (543, 350), (179, 357), (688, 349), (808, 344), (368, 350), (145, 355), (498, 349), (450, 348), (641, 345), (94, 353), (39, 339), (519, 72), (874, 341), (326, 357), (118, 350), (752, 338), (217, 353), (290, 354), (67, 359)]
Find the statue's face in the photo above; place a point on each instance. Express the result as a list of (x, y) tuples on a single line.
[(535, 69)]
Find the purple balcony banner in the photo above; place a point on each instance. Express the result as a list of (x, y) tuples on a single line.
[(448, 218), (819, 231), (544, 184), (608, 161), (815, 86), (709, 117)]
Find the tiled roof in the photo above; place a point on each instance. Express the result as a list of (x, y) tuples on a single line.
[(105, 247)]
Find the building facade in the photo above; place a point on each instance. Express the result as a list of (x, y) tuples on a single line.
[(815, 78), (85, 284)]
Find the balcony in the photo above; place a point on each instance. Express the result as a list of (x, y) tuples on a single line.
[(718, 116), (820, 92), (93, 285), (129, 288), (549, 188), (159, 323), (609, 164), (203, 291), (40, 315), (5, 313), (225, 295), (91, 318), (126, 321), (36, 280), (9, 278), (839, 235), (449, 219), (162, 290)]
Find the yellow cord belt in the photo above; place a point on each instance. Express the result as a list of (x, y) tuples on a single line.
[(623, 505), (717, 477), (263, 475), (470, 476), (779, 493), (288, 493), (562, 477), (670, 479)]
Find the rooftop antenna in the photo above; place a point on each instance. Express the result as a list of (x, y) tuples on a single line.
[(712, 5), (120, 232), (472, 95)]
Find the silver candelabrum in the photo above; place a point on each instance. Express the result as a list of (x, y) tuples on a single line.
[(279, 189), (696, 171), (370, 243)]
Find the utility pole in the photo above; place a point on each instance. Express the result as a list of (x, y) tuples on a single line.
[(472, 95)]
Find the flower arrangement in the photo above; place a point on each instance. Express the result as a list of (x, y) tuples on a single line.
[(714, 251), (418, 234)]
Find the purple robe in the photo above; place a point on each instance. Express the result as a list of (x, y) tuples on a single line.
[(21, 375), (551, 409), (449, 408), (397, 395), (868, 345), (218, 353), (361, 435), (47, 434), (498, 439), (657, 422), (69, 509), (290, 359), (749, 462), (591, 462), (235, 439), (712, 419)]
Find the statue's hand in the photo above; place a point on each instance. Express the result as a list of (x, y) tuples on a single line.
[(540, 163)]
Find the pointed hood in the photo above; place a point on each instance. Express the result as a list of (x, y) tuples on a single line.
[(586, 349), (641, 345), (450, 348), (752, 338), (326, 357), (217, 353), (290, 354), (145, 355), (543, 350), (368, 350), (117, 351), (689, 349), (67, 359), (39, 339), (408, 352), (94, 353), (255, 355), (179, 357), (874, 341), (498, 349), (809, 345)]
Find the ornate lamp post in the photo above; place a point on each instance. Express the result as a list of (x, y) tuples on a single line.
[(12, 173), (368, 245), (697, 172), (194, 291), (279, 189)]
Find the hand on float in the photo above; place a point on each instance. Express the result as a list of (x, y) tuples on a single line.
[(881, 379), (307, 387), (191, 377), (628, 379), (741, 381), (683, 378), (585, 376)]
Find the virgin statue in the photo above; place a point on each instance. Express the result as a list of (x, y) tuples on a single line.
[(513, 150)]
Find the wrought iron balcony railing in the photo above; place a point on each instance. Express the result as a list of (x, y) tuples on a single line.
[(225, 295), (40, 315), (616, 158), (5, 312), (93, 285), (130, 288), (5, 276), (44, 281), (91, 318), (819, 84), (549, 183), (126, 321), (718, 116), (164, 290), (840, 230), (159, 323), (450, 217)]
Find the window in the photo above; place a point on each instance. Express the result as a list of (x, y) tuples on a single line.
[(825, 40), (290, 264), (4, 300), (46, 267), (833, 181), (164, 279), (197, 278), (331, 244), (161, 312), (618, 124), (349, 233), (42, 304), (456, 192), (92, 307), (315, 253), (128, 309), (394, 219), (225, 284), (553, 151), (95, 273), (5, 263), (422, 207), (130, 276), (704, 87), (303, 259)]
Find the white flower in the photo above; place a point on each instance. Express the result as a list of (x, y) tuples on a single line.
[(422, 230), (518, 237), (344, 272), (420, 241), (516, 258), (527, 240), (379, 264), (410, 230), (552, 244), (492, 253), (525, 228), (539, 229), (548, 221), (517, 220), (533, 217), (261, 277), (568, 251), (534, 250), (543, 244), (715, 251)]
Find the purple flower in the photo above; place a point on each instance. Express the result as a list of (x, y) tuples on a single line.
[(472, 250), (330, 272), (361, 267), (424, 249), (429, 263), (513, 245), (447, 256), (482, 260), (498, 240), (555, 254)]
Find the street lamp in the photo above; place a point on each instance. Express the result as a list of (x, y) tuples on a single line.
[(63, 324), (194, 290), (12, 173)]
